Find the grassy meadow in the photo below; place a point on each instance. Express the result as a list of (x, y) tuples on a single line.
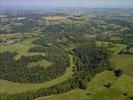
[(42, 63)]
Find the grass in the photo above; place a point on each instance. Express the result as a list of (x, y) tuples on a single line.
[(16, 36), (76, 94), (107, 94), (118, 47), (97, 91), (125, 83), (42, 63), (99, 80), (12, 87), (95, 87), (115, 38), (21, 48), (131, 49), (124, 62), (9, 36)]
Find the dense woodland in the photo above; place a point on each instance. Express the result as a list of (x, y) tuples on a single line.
[(17, 70)]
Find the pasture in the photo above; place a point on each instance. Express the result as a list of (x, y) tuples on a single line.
[(94, 86), (42, 63)]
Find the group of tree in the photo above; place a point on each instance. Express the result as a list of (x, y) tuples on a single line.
[(90, 60), (17, 70)]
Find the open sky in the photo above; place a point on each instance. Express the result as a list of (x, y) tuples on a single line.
[(66, 3)]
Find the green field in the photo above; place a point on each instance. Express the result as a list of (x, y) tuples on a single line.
[(42, 63), (131, 49), (9, 36), (21, 48), (16, 36), (12, 87), (124, 62), (76, 94), (96, 90), (117, 48), (93, 87)]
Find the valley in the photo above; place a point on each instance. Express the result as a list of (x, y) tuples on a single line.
[(66, 54)]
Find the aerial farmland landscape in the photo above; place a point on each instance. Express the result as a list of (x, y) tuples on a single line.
[(66, 50)]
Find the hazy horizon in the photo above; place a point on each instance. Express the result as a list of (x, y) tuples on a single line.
[(68, 3)]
